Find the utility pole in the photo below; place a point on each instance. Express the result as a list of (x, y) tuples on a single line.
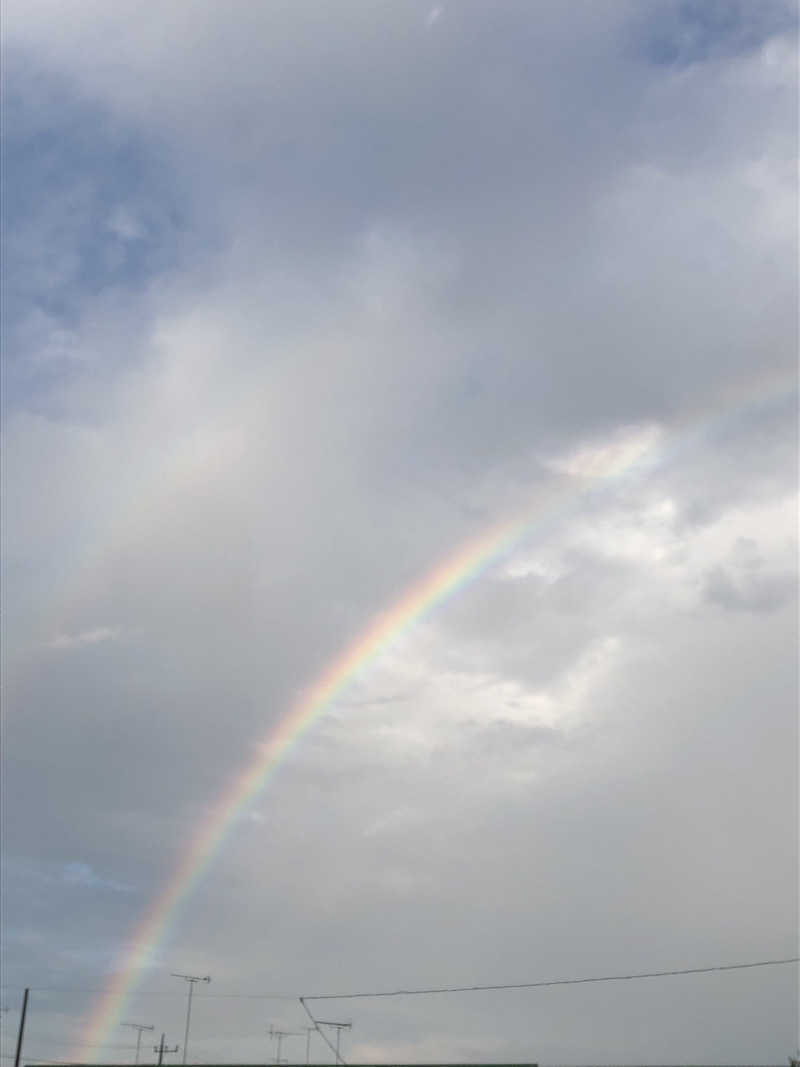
[(138, 1027), (161, 1049), (192, 979), (279, 1035), (338, 1027), (21, 1031)]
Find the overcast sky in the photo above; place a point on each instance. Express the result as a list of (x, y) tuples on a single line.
[(299, 299)]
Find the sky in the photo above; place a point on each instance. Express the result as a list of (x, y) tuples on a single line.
[(301, 301)]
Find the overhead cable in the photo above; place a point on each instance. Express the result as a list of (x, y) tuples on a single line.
[(436, 989), (551, 982)]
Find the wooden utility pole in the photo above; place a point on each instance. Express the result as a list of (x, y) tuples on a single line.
[(21, 1026), (162, 1049)]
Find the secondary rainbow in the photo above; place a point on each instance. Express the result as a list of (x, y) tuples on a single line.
[(471, 560)]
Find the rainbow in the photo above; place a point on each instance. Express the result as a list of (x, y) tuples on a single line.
[(632, 457), (441, 583)]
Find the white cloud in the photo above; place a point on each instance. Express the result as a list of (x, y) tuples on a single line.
[(125, 225), (433, 16), (95, 636), (610, 458)]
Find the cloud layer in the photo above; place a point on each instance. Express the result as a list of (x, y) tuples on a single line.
[(299, 300)]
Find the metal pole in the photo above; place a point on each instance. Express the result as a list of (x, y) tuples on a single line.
[(309, 1030), (139, 1028), (339, 1028), (21, 1026), (188, 1018), (279, 1035), (191, 979)]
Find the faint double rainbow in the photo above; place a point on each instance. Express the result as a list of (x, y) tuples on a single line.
[(591, 471)]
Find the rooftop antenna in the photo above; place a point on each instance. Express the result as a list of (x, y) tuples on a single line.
[(279, 1035), (192, 979), (338, 1027), (138, 1027)]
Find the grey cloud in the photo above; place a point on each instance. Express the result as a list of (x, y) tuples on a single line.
[(765, 592), (683, 34), (304, 299)]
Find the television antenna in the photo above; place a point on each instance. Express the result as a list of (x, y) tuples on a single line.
[(139, 1028), (279, 1035), (192, 979), (338, 1027)]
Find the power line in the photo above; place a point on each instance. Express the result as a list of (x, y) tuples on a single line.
[(420, 992), (161, 993), (38, 1059), (63, 1043), (550, 982)]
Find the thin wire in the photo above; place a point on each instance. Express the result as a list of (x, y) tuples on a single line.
[(38, 1059), (82, 1044), (551, 982), (161, 993), (439, 989), (324, 1036)]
